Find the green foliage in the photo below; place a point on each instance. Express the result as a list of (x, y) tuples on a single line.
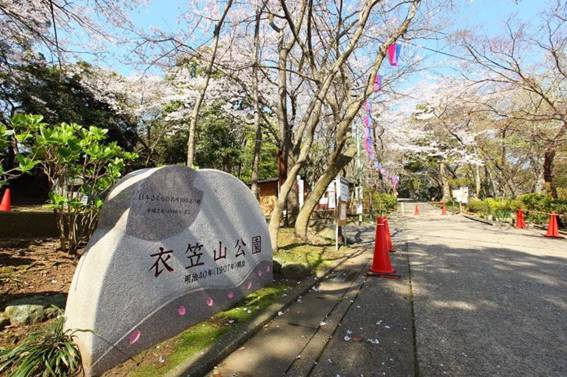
[(460, 182), (500, 208), (383, 202), (40, 88), (49, 352), (536, 206), (24, 163), (477, 206), (81, 166), (217, 146), (268, 167), (419, 182), (220, 145)]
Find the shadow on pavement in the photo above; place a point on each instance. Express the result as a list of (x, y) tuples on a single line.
[(494, 311)]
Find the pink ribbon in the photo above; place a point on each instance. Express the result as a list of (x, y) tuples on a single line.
[(393, 52), (377, 83)]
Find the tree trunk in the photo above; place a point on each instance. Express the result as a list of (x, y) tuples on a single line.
[(292, 206), (548, 165), (257, 123), (477, 180), (201, 98), (336, 163), (309, 123), (444, 182)]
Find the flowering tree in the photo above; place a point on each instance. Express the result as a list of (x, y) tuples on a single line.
[(531, 62)]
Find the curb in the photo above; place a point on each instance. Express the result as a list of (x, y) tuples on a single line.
[(533, 226), (203, 363), (479, 220)]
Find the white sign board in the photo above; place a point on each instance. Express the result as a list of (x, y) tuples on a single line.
[(359, 202), (331, 203), (342, 189), (461, 195), (300, 190), (457, 195), (464, 195)]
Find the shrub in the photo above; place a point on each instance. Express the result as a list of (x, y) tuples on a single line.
[(383, 202), (477, 206), (49, 352), (536, 206), (81, 167)]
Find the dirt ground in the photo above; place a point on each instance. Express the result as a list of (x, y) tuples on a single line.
[(29, 268)]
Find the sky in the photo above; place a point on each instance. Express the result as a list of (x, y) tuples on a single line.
[(486, 16)]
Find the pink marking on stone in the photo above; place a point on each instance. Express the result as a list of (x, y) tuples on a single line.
[(259, 273), (249, 285), (210, 301), (134, 336), (181, 310), (230, 295), (268, 268)]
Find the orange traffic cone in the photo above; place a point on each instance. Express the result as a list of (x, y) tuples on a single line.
[(388, 235), (443, 209), (6, 200), (416, 210), (520, 224), (381, 265), (552, 228)]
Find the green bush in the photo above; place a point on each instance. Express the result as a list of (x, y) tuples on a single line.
[(500, 208), (81, 166), (383, 203), (536, 207), (477, 206), (50, 352)]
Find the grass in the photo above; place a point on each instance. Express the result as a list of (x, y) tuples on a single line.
[(199, 337), (316, 255)]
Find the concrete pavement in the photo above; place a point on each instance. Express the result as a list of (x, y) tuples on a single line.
[(488, 300), (474, 300)]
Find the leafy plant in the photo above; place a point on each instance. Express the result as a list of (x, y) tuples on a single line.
[(24, 162), (81, 167), (536, 206), (383, 202), (50, 352)]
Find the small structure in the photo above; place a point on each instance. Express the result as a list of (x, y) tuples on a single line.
[(268, 194)]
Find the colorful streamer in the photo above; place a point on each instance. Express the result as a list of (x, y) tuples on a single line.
[(377, 83), (394, 53), (373, 162)]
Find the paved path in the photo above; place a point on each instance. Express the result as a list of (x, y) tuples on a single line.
[(488, 300), (474, 300), (336, 329)]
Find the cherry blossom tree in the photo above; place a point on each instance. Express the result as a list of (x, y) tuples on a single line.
[(529, 60)]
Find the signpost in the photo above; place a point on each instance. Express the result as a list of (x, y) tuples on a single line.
[(343, 196), (461, 196)]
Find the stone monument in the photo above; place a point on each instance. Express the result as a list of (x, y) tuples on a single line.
[(172, 247)]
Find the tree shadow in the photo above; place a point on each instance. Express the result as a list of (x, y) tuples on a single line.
[(11, 260), (30, 298), (503, 308)]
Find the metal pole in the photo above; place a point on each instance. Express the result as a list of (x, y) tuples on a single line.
[(358, 173)]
